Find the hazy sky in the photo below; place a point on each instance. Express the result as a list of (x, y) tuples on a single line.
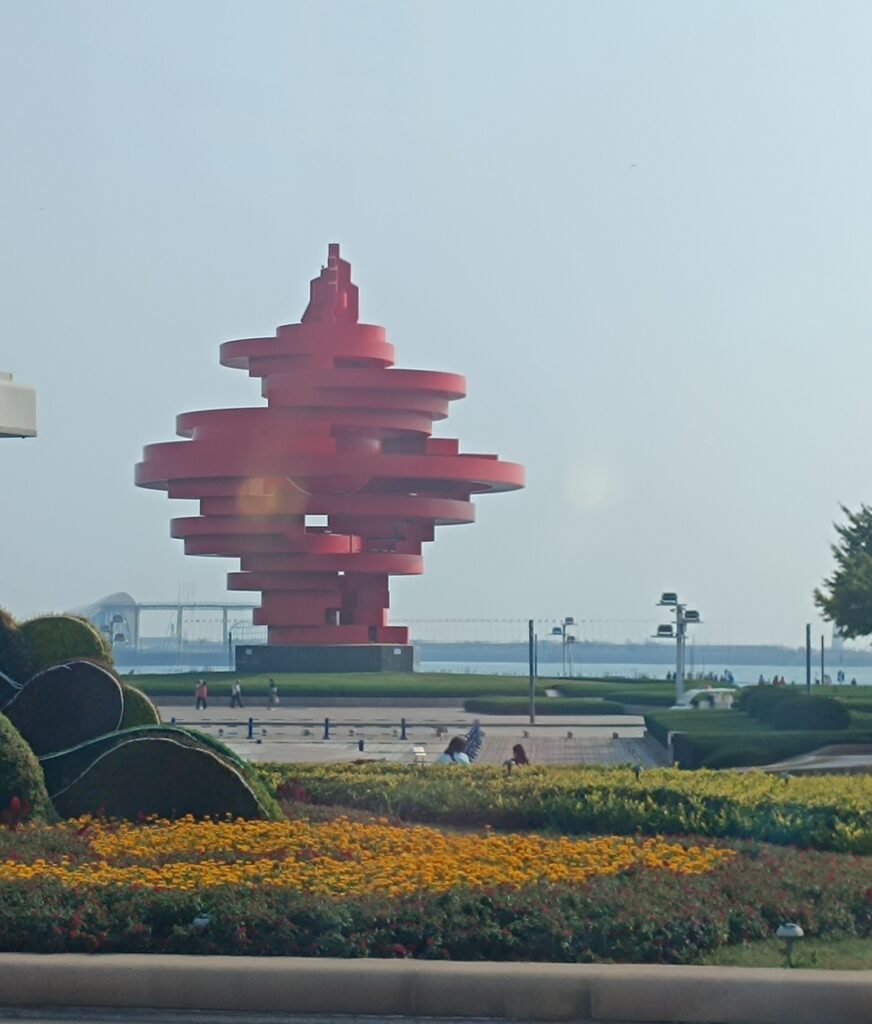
[(641, 230)]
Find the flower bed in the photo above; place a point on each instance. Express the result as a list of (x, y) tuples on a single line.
[(336, 858), (343, 888)]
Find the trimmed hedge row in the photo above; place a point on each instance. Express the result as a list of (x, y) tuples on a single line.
[(693, 750), (786, 708)]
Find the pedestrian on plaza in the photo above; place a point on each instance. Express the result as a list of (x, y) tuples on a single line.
[(455, 752), (273, 694), (202, 692), (236, 695)]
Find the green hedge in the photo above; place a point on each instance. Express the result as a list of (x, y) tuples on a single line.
[(785, 707), (52, 639), (14, 656), (762, 748), (20, 774), (814, 713), (544, 706)]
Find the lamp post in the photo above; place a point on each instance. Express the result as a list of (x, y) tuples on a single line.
[(684, 617), (561, 632)]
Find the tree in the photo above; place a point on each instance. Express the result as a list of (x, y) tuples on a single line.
[(846, 596)]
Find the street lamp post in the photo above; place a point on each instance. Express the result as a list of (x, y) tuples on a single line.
[(684, 617), (564, 639)]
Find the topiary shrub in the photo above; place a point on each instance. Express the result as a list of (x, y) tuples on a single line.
[(14, 657), (66, 705), (21, 777), (153, 770), (138, 709), (52, 639)]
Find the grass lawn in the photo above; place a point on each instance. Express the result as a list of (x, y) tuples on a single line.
[(406, 684), (834, 954)]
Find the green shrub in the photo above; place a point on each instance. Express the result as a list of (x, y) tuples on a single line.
[(66, 705), (760, 702), (544, 706), (14, 656), (814, 713), (20, 774), (138, 709), (52, 639)]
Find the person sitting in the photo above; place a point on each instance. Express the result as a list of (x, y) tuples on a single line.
[(518, 758), (519, 755), (455, 752)]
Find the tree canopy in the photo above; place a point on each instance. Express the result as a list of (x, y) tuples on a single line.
[(846, 596)]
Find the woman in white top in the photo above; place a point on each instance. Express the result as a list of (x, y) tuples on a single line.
[(455, 752)]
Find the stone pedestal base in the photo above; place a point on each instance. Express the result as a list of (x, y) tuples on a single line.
[(323, 658)]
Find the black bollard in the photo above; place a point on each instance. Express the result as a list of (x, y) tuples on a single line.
[(326, 728), (402, 728), (360, 745), (251, 728)]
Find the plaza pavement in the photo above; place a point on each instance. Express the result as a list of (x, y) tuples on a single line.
[(293, 733)]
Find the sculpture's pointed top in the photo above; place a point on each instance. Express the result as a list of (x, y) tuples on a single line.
[(332, 296)]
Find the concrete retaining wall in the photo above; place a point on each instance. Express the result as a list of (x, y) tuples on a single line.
[(409, 988)]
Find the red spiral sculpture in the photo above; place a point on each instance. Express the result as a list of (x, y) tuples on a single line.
[(343, 437)]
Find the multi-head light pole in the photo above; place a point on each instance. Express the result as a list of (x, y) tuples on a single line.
[(684, 617)]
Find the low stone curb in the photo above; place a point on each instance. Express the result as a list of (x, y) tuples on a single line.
[(300, 987)]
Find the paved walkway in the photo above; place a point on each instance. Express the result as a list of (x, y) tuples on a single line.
[(296, 734)]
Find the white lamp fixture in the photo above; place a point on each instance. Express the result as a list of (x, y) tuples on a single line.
[(17, 408), (790, 932)]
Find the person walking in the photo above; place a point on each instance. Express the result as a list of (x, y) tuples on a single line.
[(202, 692), (236, 695), (273, 694)]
